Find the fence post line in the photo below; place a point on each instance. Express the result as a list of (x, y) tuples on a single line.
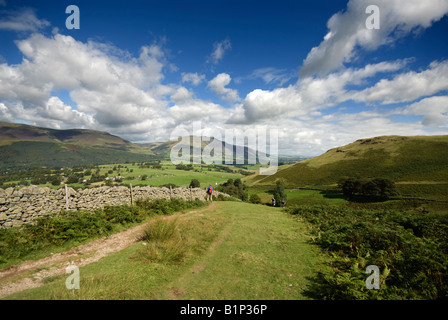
[(171, 192), (191, 196), (66, 198), (132, 199)]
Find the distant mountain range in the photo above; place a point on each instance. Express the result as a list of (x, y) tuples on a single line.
[(23, 145), (400, 158)]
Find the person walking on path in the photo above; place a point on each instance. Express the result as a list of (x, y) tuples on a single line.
[(209, 193), (283, 202), (273, 201)]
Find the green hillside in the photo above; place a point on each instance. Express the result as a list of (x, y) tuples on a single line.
[(422, 159), (28, 146), (15, 132), (53, 154)]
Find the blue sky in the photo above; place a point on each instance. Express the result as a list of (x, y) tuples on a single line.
[(310, 69)]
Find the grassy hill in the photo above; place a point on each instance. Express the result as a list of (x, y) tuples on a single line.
[(422, 159), (15, 132), (27, 146)]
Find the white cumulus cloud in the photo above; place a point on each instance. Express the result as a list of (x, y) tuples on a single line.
[(219, 85), (113, 89), (408, 86), (348, 33), (194, 78), (433, 109)]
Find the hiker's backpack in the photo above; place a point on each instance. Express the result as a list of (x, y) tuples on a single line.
[(210, 190)]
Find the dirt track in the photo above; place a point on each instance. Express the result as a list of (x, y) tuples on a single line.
[(34, 272)]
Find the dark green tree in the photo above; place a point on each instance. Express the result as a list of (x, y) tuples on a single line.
[(386, 188), (56, 180), (379, 188), (235, 188), (279, 192), (348, 187), (72, 179), (195, 183)]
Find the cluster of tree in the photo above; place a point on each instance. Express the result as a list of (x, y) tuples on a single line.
[(42, 175), (279, 193), (147, 165), (235, 188), (379, 188), (194, 183), (14, 174), (97, 177), (240, 169), (221, 168), (182, 166), (245, 173)]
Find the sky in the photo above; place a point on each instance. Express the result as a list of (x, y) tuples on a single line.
[(321, 73)]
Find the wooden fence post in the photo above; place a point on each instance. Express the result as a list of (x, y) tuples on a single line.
[(171, 192), (132, 199)]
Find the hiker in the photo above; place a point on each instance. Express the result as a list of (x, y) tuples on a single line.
[(209, 193), (283, 202), (273, 201)]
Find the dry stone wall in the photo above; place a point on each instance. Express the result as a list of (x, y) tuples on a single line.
[(19, 206)]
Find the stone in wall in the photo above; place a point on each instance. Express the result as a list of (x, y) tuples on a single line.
[(23, 206)]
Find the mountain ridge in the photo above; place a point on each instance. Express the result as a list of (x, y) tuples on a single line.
[(23, 145), (399, 158)]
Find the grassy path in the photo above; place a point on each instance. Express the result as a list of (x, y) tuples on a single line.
[(231, 250), (261, 254)]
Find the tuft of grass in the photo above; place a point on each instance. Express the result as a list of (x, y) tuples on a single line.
[(169, 252), (164, 245), (160, 231)]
